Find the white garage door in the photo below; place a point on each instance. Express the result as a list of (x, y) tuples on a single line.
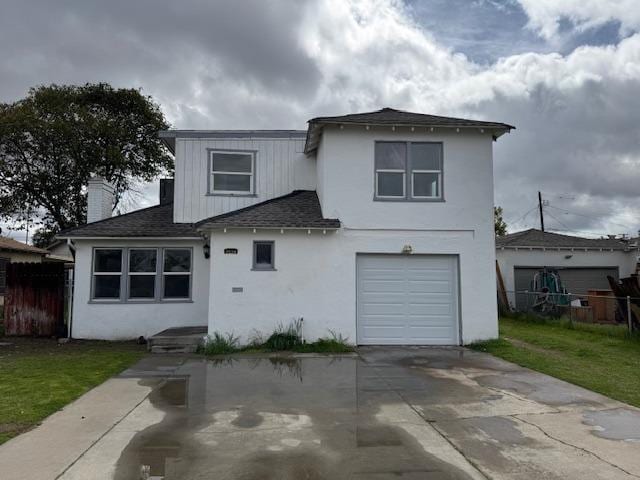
[(407, 300)]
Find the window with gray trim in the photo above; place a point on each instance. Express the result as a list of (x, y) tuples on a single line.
[(107, 273), (137, 274), (231, 172), (408, 171), (142, 273), (176, 273), (263, 255)]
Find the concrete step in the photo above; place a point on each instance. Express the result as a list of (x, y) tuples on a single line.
[(177, 340), (173, 349)]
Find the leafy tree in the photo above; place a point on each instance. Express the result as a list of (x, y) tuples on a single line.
[(499, 223), (58, 136)]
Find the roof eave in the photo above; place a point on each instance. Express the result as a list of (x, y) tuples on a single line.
[(316, 126), (124, 237), (208, 228)]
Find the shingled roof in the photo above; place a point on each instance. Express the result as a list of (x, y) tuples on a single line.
[(299, 209), (10, 244), (539, 239), (156, 221), (398, 118)]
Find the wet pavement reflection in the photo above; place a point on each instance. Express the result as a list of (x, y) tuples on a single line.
[(279, 418)]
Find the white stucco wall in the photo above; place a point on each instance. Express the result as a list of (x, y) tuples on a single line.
[(315, 278), (122, 321), (509, 258), (346, 176)]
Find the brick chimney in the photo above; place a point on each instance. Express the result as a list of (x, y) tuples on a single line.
[(100, 197)]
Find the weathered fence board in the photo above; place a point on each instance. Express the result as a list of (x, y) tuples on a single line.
[(34, 301)]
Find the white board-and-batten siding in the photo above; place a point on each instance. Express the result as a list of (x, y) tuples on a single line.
[(280, 167)]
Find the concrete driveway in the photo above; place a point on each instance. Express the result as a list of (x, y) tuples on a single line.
[(389, 413)]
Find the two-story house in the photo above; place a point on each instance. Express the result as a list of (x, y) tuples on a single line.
[(377, 226)]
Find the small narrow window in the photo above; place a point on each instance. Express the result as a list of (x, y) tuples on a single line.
[(263, 255), (426, 170), (142, 273), (391, 168), (232, 172), (107, 273), (176, 273)]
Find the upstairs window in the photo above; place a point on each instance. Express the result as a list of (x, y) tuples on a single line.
[(232, 172), (408, 171)]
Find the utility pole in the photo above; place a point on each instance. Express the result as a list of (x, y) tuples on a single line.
[(541, 211)]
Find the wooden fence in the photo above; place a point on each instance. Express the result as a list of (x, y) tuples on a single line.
[(34, 301)]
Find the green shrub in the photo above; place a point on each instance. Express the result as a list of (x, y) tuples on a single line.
[(219, 344), (285, 338)]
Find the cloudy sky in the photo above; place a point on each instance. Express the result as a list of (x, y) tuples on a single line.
[(566, 73)]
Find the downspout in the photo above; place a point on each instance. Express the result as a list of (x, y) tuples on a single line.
[(72, 282)]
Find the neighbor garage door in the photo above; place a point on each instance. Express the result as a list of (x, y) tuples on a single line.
[(407, 300), (576, 280)]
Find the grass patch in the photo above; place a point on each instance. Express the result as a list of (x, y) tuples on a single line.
[(283, 339), (602, 358), (38, 376)]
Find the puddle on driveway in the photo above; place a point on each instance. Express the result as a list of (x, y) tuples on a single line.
[(279, 419), (615, 424)]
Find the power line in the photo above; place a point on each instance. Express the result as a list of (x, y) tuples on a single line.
[(524, 215), (568, 212), (558, 220)]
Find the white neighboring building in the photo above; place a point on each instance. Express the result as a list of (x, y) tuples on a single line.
[(377, 226), (583, 263)]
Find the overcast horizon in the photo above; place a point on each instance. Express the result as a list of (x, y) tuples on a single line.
[(566, 74)]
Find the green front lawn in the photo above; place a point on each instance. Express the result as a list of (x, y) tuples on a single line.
[(598, 357), (38, 376)]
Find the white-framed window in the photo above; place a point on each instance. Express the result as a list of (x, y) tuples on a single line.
[(139, 274), (176, 273), (143, 270), (264, 255), (107, 273), (232, 172), (408, 171)]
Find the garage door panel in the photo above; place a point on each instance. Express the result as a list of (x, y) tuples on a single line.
[(407, 299), (427, 309), (429, 286), (383, 286)]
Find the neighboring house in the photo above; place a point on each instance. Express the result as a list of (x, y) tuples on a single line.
[(377, 226), (59, 251), (582, 263), (14, 251)]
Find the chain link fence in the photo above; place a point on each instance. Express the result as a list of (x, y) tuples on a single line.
[(596, 307)]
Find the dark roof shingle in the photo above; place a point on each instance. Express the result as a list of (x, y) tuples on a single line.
[(390, 116), (156, 221), (538, 238), (299, 209)]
